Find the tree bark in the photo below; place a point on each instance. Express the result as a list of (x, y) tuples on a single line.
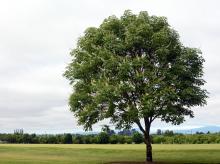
[(149, 157), (147, 137)]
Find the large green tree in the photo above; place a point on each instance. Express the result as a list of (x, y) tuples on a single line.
[(132, 70)]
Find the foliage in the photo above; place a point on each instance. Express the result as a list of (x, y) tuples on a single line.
[(134, 68), (103, 138), (68, 139), (198, 138), (78, 139), (107, 129), (128, 139), (137, 138), (131, 68), (113, 139), (168, 133), (121, 139)]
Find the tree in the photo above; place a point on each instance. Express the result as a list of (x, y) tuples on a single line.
[(121, 139), (106, 128), (134, 69), (128, 139), (103, 138), (78, 139), (68, 139), (113, 139), (168, 133), (137, 138)]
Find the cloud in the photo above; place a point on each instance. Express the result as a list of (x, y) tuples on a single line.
[(37, 36)]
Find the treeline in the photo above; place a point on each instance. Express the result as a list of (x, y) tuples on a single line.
[(110, 137), (101, 138), (213, 138)]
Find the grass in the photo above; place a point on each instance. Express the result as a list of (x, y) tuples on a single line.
[(94, 154)]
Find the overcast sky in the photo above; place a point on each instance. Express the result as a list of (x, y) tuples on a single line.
[(35, 40)]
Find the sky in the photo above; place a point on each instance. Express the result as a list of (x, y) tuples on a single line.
[(37, 36)]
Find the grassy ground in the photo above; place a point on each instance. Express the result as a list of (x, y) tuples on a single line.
[(82, 154)]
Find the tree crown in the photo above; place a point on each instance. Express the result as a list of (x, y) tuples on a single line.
[(132, 68)]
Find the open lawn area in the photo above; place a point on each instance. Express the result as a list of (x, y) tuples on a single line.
[(82, 154)]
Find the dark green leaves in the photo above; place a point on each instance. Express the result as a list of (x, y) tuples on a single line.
[(134, 68)]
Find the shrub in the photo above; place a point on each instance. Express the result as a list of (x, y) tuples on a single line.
[(121, 139), (137, 137), (113, 139), (128, 139), (103, 138)]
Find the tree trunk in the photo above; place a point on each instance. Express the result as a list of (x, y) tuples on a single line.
[(147, 137), (149, 157)]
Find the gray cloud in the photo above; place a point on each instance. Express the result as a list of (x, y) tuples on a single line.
[(37, 36)]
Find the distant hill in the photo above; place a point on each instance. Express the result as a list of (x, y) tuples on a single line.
[(205, 129)]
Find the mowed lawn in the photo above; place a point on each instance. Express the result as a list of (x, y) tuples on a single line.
[(82, 154)]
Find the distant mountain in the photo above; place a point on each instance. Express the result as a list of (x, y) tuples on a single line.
[(205, 129)]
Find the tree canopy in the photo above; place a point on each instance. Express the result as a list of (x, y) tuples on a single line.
[(134, 68)]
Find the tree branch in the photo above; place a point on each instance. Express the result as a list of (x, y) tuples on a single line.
[(140, 127)]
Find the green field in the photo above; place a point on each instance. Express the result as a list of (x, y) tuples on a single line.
[(81, 154)]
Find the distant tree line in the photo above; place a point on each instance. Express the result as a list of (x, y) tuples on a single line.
[(168, 137), (108, 136)]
